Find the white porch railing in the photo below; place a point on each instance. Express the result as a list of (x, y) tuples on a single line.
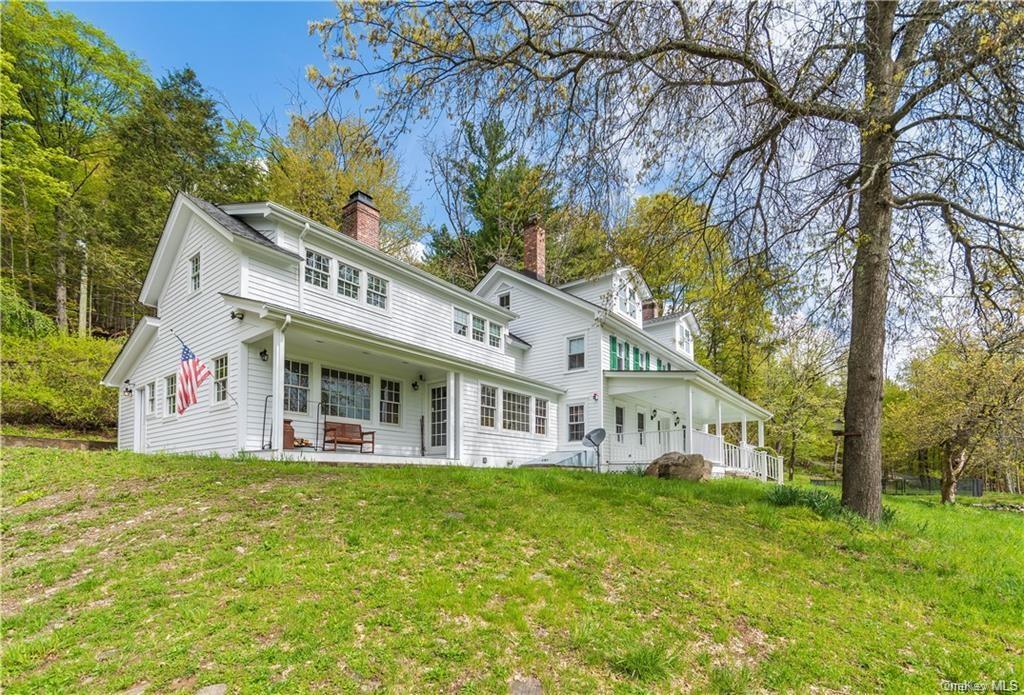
[(634, 449)]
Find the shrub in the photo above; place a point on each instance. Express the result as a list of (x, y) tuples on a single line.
[(644, 663), (17, 318), (55, 380)]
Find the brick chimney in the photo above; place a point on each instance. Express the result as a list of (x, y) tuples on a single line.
[(361, 219), (650, 310), (534, 249)]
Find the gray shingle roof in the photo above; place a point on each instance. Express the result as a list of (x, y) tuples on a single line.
[(234, 225)]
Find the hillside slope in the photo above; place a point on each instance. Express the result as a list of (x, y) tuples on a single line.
[(174, 573)]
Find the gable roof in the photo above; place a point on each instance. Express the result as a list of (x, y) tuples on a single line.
[(182, 210), (233, 224), (144, 332), (619, 324)]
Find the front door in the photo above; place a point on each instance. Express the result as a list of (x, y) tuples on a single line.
[(437, 429)]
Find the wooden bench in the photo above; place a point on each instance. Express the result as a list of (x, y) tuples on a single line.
[(336, 433)]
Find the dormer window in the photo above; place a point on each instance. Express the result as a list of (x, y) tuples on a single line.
[(318, 269), (686, 340)]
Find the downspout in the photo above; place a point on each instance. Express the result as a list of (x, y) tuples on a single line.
[(302, 254)]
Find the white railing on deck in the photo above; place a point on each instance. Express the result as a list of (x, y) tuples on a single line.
[(707, 445), (635, 449)]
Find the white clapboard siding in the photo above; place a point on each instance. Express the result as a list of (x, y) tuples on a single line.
[(495, 446), (125, 421), (547, 323), (415, 314), (202, 320)]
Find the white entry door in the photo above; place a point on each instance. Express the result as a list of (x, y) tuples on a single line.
[(437, 420)]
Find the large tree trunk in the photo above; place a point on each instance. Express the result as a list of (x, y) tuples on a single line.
[(954, 465), (83, 296), (862, 454)]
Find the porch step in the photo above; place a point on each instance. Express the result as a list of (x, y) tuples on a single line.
[(563, 459)]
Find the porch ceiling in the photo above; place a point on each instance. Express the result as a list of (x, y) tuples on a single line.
[(668, 390)]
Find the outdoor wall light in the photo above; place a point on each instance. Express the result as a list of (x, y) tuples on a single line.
[(127, 388), (415, 386), (264, 356), (595, 396), (677, 422), (238, 315), (654, 414)]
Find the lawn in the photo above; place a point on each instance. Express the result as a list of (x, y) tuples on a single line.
[(171, 573)]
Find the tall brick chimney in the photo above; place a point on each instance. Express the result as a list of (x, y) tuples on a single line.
[(534, 249), (361, 219), (650, 310)]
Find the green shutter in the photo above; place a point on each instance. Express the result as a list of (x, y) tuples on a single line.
[(636, 359), (627, 353), (647, 364), (659, 364), (613, 356)]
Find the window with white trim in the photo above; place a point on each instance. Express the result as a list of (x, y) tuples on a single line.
[(194, 265), (488, 405), (620, 422), (460, 323), (576, 422), (296, 386), (505, 300), (171, 394), (151, 397), (345, 394), (220, 379), (577, 352), (318, 269), (515, 411), (540, 416), (390, 401), (495, 335), (348, 281), (478, 328), (376, 291)]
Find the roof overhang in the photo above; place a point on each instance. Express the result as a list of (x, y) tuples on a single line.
[(132, 350), (373, 341), (625, 382)]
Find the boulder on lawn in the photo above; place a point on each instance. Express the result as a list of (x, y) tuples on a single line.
[(680, 467)]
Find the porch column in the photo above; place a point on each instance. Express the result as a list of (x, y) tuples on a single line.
[(453, 416), (743, 430), (718, 431), (689, 418), (277, 392), (760, 434)]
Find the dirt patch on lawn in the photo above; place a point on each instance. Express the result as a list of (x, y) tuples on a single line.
[(747, 647)]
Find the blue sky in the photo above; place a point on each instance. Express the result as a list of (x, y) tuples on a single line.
[(252, 55)]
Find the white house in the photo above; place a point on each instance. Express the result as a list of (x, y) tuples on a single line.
[(303, 325)]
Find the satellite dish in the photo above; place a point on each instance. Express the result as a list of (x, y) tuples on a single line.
[(593, 438)]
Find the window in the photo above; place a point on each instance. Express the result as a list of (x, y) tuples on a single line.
[(488, 405), (540, 416), (478, 328), (515, 411), (220, 379), (345, 394), (390, 400), (461, 323), (194, 263), (171, 394), (640, 426), (151, 397), (577, 356), (296, 386), (505, 300), (620, 422), (318, 269), (348, 281), (624, 357), (376, 291), (495, 336), (576, 423)]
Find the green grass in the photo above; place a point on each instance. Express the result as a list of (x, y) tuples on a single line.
[(178, 572), (48, 432)]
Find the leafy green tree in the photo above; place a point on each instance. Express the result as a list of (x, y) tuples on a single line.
[(174, 140), (71, 82), (315, 167)]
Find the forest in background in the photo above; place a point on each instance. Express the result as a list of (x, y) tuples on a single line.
[(94, 149)]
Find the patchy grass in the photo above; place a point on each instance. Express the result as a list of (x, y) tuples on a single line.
[(48, 432), (122, 570)]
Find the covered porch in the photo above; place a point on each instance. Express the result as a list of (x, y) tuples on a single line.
[(653, 413), (393, 404)]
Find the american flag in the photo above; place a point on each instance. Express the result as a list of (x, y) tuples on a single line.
[(191, 374)]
